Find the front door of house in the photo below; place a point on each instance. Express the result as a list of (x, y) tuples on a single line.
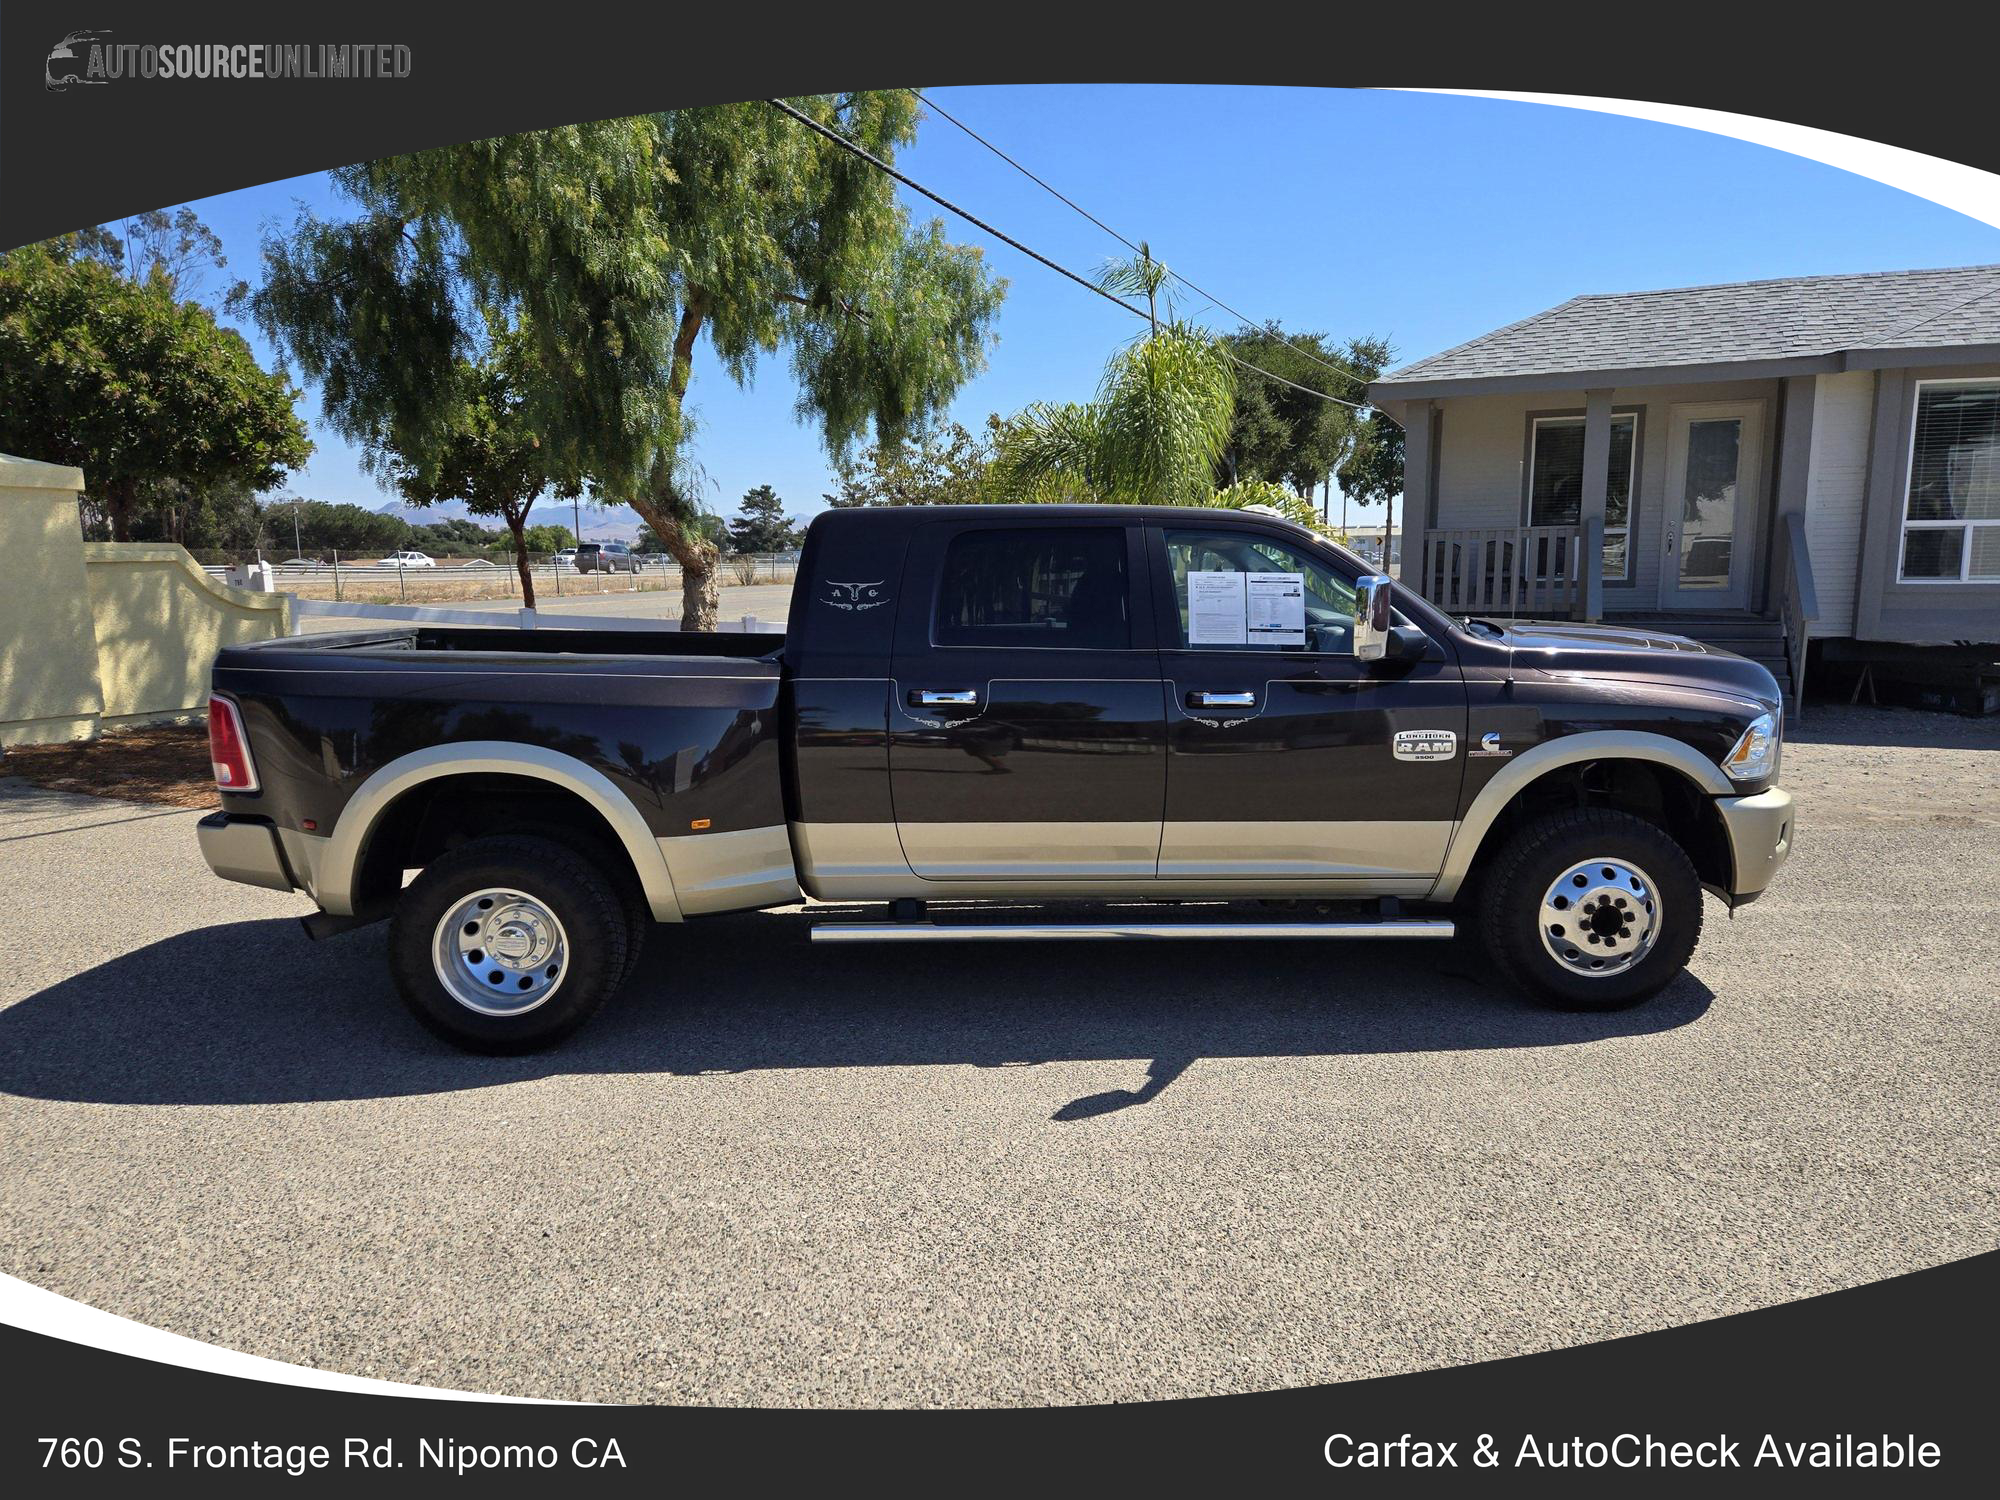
[(1715, 463)]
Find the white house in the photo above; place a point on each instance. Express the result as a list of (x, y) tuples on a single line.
[(1760, 464)]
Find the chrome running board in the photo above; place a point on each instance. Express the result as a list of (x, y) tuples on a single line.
[(1040, 932)]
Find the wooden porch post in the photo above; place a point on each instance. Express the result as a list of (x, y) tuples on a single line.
[(1419, 467), (1596, 486)]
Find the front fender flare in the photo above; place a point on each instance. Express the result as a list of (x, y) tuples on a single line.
[(1551, 755)]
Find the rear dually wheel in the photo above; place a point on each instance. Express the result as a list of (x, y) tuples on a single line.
[(507, 944)]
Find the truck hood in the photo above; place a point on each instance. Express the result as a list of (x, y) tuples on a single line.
[(1610, 651)]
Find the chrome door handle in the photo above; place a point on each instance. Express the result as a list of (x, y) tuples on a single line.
[(1221, 700), (923, 698)]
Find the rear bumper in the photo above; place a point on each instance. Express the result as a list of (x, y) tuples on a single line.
[(246, 852), (1760, 837)]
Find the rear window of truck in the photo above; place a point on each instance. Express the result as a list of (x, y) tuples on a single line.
[(1021, 586)]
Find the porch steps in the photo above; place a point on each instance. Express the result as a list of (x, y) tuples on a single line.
[(1762, 640)]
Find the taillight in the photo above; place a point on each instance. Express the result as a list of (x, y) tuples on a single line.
[(229, 747)]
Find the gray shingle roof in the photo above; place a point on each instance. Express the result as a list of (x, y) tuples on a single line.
[(1795, 317)]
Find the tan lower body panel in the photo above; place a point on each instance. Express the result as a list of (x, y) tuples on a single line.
[(1332, 851), (1031, 851), (732, 871), (864, 862)]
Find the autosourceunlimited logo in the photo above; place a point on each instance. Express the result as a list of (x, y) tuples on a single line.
[(86, 58)]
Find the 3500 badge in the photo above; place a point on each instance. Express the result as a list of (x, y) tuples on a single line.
[(1425, 744)]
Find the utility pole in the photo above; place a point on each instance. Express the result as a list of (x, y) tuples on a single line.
[(297, 550)]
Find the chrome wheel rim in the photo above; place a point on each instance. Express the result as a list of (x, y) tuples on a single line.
[(500, 952), (1600, 917)]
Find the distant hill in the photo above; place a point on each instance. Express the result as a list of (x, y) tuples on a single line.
[(615, 523)]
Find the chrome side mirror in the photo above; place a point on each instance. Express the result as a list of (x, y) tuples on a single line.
[(1371, 617)]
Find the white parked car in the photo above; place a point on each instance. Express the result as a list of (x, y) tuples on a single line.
[(566, 558), (406, 560)]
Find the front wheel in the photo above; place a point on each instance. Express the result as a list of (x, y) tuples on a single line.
[(1591, 909), (507, 944)]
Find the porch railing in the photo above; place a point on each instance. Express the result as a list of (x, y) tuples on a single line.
[(1506, 570), (1798, 601)]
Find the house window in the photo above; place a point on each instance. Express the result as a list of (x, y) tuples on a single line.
[(1555, 484), (1951, 517)]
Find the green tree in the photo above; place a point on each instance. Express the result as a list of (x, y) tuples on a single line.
[(761, 524), (174, 248), (326, 527), (938, 463), (133, 387), (220, 515), (491, 457), (454, 534), (621, 248), (548, 537)]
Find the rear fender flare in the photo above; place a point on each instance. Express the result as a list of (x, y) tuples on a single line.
[(340, 861)]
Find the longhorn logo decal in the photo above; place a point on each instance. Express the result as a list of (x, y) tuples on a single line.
[(857, 595)]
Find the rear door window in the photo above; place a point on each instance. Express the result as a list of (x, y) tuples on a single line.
[(1060, 587)]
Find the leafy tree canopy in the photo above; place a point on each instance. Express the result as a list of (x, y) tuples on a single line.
[(938, 463), (616, 248), (132, 386), (172, 248), (1284, 434), (490, 457)]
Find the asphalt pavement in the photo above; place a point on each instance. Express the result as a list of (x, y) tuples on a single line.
[(775, 1174)]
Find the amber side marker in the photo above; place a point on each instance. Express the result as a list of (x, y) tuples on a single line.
[(699, 823)]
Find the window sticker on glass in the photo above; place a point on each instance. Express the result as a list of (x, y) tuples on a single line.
[(1277, 609), (1216, 609)]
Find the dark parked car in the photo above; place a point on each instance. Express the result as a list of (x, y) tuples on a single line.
[(605, 557), (1011, 705)]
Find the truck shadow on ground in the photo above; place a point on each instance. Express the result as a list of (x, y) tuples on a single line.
[(253, 1013)]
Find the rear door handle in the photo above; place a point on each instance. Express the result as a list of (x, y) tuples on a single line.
[(1222, 700), (924, 698)]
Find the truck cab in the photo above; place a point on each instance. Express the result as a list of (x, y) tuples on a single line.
[(1196, 709)]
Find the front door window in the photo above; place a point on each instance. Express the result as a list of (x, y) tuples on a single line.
[(1708, 502), (1713, 504)]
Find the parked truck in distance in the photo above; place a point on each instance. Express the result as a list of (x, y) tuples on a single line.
[(1194, 710)]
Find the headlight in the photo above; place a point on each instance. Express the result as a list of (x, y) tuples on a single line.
[(1755, 756)]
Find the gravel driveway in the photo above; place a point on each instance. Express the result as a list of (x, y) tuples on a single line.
[(778, 1175)]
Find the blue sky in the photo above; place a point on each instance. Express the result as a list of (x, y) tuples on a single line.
[(1422, 218)]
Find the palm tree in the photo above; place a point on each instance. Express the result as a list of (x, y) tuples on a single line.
[(1155, 431)]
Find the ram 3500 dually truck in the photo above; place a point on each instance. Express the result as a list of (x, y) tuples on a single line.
[(1211, 710)]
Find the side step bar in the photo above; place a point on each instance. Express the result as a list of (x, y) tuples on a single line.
[(1041, 932)]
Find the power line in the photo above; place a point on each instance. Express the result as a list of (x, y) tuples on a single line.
[(857, 149), (1241, 316), (932, 104)]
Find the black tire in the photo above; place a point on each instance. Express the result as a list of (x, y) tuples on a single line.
[(1546, 851), (638, 922), (585, 904)]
